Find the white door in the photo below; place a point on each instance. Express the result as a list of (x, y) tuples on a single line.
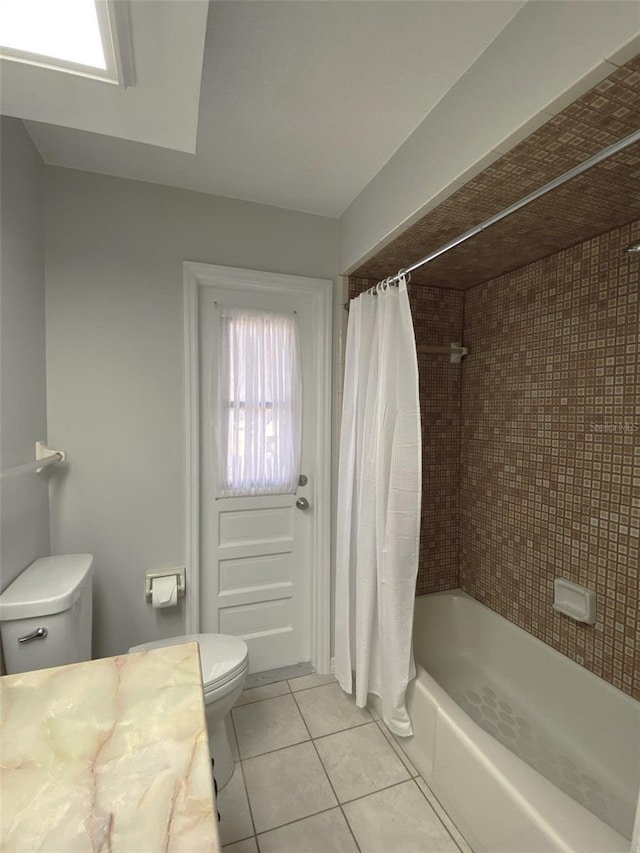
[(259, 568)]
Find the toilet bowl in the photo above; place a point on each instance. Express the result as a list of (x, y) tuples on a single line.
[(224, 661)]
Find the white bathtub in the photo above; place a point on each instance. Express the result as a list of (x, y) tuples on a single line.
[(568, 723)]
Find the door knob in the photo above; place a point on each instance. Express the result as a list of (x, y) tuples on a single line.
[(302, 503)]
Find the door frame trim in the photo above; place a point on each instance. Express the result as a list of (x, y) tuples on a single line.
[(197, 275)]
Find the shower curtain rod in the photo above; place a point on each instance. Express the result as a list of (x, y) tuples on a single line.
[(609, 151)]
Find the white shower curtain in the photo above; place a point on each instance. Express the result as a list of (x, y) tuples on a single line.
[(379, 493)]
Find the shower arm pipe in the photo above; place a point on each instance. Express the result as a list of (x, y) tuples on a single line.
[(607, 152), (45, 456)]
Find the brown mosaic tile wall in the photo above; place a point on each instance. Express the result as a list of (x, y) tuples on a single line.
[(550, 449), (437, 319)]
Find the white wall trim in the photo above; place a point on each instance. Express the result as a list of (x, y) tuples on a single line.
[(197, 275), (192, 450)]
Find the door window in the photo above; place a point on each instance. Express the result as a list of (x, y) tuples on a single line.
[(259, 395)]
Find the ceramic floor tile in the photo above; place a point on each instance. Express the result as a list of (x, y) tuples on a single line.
[(267, 691), (360, 761), (398, 819), (398, 750), (307, 681), (269, 724), (444, 817), (329, 709), (247, 846), (287, 785), (235, 817), (323, 833)]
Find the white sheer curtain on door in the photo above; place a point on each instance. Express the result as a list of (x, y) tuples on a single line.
[(259, 403), (379, 496)]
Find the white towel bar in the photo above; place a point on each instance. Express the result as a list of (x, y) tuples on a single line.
[(45, 456)]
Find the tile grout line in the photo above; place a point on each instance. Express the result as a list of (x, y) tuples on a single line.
[(290, 689), (397, 749), (242, 757), (238, 841), (299, 742), (438, 816), (313, 687), (379, 791), (340, 731), (271, 751), (337, 806), (244, 781), (296, 820), (442, 823), (346, 820)]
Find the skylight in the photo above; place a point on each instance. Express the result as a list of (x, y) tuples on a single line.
[(89, 38), (66, 30)]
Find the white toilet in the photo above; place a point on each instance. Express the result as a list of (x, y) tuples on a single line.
[(225, 663), (45, 620)]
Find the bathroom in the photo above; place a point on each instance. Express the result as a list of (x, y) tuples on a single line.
[(93, 343)]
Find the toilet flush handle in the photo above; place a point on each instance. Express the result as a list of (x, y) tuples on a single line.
[(38, 634)]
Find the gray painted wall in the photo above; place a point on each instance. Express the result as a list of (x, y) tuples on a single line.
[(114, 253), (24, 503)]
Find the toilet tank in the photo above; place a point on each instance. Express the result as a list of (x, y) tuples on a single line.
[(45, 614)]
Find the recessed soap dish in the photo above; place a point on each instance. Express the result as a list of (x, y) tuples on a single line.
[(575, 601)]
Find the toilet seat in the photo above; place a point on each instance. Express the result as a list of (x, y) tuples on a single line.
[(223, 658)]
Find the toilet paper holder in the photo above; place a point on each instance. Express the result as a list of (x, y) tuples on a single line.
[(178, 572)]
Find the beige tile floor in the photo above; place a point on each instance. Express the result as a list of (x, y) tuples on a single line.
[(316, 774)]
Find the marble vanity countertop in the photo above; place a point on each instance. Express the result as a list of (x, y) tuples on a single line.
[(107, 755)]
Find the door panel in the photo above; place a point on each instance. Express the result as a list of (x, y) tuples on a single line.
[(244, 574), (246, 526), (267, 628)]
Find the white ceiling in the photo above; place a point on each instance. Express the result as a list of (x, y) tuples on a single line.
[(301, 103)]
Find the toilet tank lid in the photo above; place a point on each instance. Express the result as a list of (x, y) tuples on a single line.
[(49, 585)]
